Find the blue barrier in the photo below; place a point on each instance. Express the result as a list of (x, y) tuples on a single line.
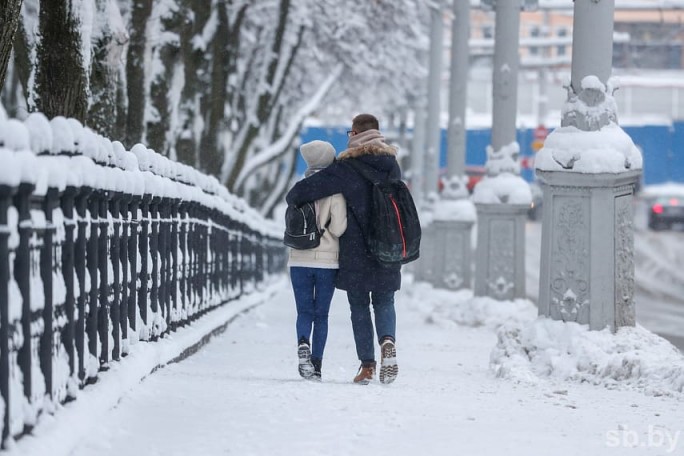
[(662, 147)]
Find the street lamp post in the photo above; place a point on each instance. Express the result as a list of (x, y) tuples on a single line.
[(588, 169), (502, 197), (447, 250)]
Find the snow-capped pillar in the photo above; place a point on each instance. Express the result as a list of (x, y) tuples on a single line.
[(588, 169), (433, 128), (502, 197)]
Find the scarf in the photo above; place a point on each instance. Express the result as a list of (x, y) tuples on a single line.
[(366, 137)]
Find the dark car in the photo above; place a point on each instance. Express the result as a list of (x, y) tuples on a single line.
[(535, 210), (665, 211)]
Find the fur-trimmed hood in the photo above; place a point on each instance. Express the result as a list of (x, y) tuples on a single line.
[(373, 148)]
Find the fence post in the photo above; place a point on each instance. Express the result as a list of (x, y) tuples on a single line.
[(143, 245), (164, 260), (80, 255), (103, 319), (68, 270), (115, 255), (22, 273), (125, 201), (92, 263), (6, 322), (175, 235), (183, 266), (135, 228), (49, 201), (154, 251)]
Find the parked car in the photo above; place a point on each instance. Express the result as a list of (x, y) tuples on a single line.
[(664, 205), (665, 211), (535, 210)]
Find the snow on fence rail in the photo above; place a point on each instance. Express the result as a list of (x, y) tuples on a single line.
[(101, 247)]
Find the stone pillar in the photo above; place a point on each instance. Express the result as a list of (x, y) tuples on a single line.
[(500, 257), (502, 197), (588, 169), (446, 250)]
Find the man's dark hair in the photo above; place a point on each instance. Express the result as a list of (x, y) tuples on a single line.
[(364, 122)]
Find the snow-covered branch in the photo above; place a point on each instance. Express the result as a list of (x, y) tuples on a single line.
[(276, 149)]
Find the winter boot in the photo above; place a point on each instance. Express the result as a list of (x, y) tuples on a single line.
[(317, 368), (306, 369), (365, 374), (388, 363)]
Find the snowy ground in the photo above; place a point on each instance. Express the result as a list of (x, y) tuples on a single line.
[(242, 395)]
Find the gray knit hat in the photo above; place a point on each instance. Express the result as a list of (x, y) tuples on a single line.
[(317, 155)]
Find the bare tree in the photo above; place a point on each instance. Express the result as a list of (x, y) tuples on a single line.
[(10, 12), (196, 33), (135, 71), (61, 80), (166, 65), (107, 48)]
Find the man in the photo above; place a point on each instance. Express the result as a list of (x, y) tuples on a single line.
[(365, 280)]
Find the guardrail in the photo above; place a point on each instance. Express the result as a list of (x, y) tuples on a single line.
[(101, 247)]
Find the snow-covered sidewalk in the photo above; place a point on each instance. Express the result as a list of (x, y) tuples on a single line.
[(241, 395)]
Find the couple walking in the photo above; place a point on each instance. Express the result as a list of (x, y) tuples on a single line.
[(342, 260)]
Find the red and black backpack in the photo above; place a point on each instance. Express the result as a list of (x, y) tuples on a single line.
[(394, 233)]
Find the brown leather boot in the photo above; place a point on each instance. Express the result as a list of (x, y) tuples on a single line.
[(365, 374)]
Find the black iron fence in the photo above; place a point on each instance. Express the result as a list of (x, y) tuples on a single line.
[(101, 248)]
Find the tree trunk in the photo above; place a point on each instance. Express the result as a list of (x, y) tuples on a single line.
[(264, 105), (135, 72), (61, 79), (10, 12), (195, 65), (106, 51), (224, 51), (22, 61), (168, 58)]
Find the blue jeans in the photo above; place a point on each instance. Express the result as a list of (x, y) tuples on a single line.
[(362, 324), (313, 290)]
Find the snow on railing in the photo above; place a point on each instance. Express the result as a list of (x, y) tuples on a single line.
[(101, 247)]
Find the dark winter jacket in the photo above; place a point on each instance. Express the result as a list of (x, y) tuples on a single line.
[(358, 269)]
